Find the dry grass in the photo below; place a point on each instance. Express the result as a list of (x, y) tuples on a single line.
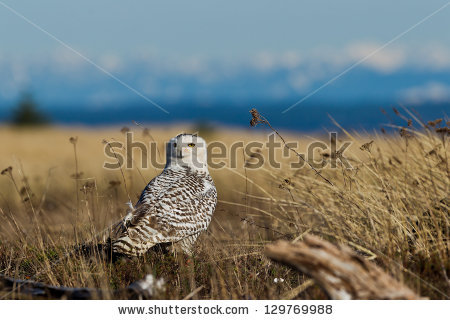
[(392, 207)]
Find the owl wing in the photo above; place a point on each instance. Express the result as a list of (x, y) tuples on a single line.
[(150, 192), (171, 214), (158, 185)]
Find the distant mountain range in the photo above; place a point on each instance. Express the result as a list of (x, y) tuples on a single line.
[(75, 93)]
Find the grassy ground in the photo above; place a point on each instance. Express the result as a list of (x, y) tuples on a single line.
[(392, 206)]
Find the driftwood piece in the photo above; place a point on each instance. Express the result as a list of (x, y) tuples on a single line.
[(146, 288), (338, 270)]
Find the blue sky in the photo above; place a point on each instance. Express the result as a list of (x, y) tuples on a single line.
[(240, 52), (222, 29)]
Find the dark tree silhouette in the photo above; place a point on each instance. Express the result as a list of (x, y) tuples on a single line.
[(26, 113)]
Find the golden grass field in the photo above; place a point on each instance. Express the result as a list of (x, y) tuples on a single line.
[(392, 207)]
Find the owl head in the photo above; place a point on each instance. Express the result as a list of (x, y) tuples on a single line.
[(187, 150)]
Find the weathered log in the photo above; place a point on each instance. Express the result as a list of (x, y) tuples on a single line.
[(146, 288), (339, 271)]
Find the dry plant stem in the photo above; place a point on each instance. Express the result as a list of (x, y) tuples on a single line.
[(121, 171), (193, 293), (134, 164), (26, 288), (338, 270), (73, 141), (151, 138), (261, 119), (292, 294), (246, 183)]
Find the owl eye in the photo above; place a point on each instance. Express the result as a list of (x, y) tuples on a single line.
[(175, 145), (191, 145)]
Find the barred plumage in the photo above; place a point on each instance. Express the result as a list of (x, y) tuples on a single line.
[(175, 207)]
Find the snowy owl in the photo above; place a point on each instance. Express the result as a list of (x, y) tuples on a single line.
[(175, 207)]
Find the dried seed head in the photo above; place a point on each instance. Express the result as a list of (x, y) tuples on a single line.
[(252, 158), (23, 191), (73, 140), (7, 171), (286, 184), (405, 133), (434, 123), (255, 154), (433, 151), (366, 146), (26, 194), (77, 175), (114, 183), (383, 131), (89, 185), (125, 130), (409, 123), (444, 131), (396, 111), (256, 118)]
